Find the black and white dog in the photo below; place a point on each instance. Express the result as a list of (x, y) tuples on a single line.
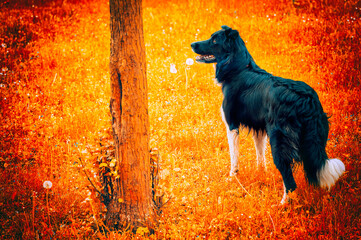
[(288, 111)]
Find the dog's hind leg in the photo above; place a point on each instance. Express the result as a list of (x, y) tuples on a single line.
[(283, 153), (285, 197), (260, 141), (288, 180)]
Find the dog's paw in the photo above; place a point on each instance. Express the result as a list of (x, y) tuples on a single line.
[(285, 200), (233, 172)]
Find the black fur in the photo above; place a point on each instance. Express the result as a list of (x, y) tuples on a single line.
[(289, 111)]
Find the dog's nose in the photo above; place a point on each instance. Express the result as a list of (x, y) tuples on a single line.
[(194, 45)]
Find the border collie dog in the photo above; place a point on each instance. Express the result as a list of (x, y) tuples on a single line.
[(288, 111)]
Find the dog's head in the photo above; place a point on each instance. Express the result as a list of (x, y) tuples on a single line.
[(227, 49), (221, 44)]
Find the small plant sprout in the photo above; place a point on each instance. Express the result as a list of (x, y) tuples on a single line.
[(189, 62), (47, 185), (172, 68)]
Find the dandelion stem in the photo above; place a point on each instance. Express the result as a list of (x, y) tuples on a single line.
[(186, 82), (34, 213), (273, 224), (242, 186), (47, 204)]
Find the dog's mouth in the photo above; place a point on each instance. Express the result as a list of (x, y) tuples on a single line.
[(206, 59)]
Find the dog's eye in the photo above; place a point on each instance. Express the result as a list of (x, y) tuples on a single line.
[(214, 41)]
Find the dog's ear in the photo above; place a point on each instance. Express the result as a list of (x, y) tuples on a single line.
[(233, 34), (226, 28), (230, 33)]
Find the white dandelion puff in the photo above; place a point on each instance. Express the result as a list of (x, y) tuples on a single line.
[(47, 184), (172, 68), (189, 61)]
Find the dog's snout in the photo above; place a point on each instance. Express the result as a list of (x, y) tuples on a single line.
[(194, 45)]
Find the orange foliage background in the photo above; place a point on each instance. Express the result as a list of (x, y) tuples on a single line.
[(55, 121)]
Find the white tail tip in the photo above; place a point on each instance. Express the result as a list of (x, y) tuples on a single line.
[(329, 174)]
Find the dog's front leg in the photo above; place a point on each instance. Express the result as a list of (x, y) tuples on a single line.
[(233, 143)]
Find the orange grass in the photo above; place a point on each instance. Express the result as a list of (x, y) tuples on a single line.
[(55, 121)]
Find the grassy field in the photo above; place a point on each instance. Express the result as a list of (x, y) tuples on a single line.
[(55, 120)]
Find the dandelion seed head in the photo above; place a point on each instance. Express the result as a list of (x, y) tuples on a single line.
[(172, 68), (47, 184), (189, 61)]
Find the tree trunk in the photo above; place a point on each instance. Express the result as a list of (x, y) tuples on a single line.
[(130, 202)]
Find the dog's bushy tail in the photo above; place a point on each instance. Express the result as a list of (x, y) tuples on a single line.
[(330, 172), (320, 170)]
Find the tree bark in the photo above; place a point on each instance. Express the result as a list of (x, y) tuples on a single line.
[(130, 202)]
